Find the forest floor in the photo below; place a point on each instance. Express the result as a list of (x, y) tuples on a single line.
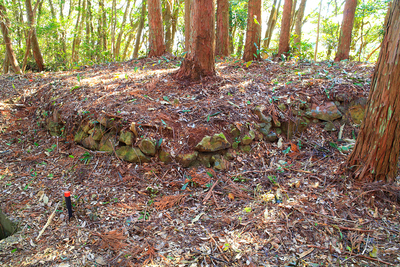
[(267, 208)]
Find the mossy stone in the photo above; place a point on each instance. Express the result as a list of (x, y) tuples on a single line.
[(126, 137), (246, 148), (107, 143), (187, 159), (213, 143), (97, 132), (235, 132), (148, 146), (79, 136), (246, 140), (235, 145), (132, 154), (205, 159), (164, 156), (219, 162), (90, 143)]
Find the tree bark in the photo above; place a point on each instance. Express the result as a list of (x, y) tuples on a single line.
[(200, 60), (376, 153), (121, 31), (346, 29), (140, 29), (298, 25), (34, 42), (113, 26), (293, 15), (156, 33), (167, 16), (188, 8), (271, 23), (222, 34), (317, 40), (253, 34), (175, 15), (285, 29), (10, 56), (103, 26)]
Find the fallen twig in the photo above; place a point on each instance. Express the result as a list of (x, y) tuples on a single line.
[(48, 222)]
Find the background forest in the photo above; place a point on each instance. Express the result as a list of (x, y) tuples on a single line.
[(71, 33)]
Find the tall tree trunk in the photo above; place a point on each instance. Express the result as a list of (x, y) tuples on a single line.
[(345, 32), (63, 34), (298, 25), (253, 34), (121, 31), (188, 8), (103, 36), (140, 29), (317, 40), (113, 26), (75, 41), (376, 153), (167, 16), (285, 29), (6, 63), (10, 56), (240, 44), (175, 14), (33, 38), (156, 33), (222, 34), (200, 60), (271, 23), (293, 15)]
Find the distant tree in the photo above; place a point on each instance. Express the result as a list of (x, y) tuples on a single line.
[(10, 56), (253, 33), (156, 32), (299, 24), (346, 29), (376, 153), (285, 29), (222, 32), (140, 29), (32, 38), (271, 23), (200, 59)]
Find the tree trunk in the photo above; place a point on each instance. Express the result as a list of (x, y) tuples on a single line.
[(140, 29), (376, 153), (103, 25), (240, 44), (298, 25), (76, 35), (285, 29), (175, 15), (222, 34), (63, 34), (10, 56), (6, 63), (34, 42), (200, 60), (253, 34), (156, 33), (167, 16), (317, 40), (346, 29), (293, 15), (121, 31), (380, 158), (271, 23), (188, 8), (113, 26)]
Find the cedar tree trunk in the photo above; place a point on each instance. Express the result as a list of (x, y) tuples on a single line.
[(200, 60), (10, 56), (376, 153), (253, 34), (222, 35), (298, 25), (346, 29), (156, 31), (285, 29), (188, 8)]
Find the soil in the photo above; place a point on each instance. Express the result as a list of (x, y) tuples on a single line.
[(287, 203)]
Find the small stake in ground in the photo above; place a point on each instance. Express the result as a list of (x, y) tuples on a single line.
[(67, 196)]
